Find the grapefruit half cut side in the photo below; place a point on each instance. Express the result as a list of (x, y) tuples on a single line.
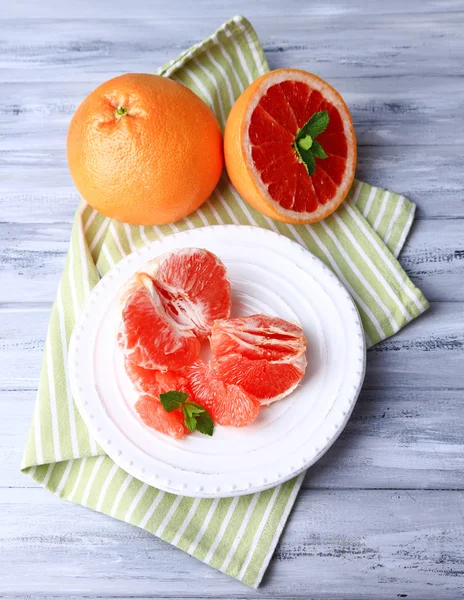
[(267, 147)]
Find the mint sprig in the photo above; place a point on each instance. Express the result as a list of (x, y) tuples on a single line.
[(305, 143), (195, 416)]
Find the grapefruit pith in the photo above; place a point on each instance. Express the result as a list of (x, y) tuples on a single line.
[(272, 155)]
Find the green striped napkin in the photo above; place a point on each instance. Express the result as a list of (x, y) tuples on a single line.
[(359, 242)]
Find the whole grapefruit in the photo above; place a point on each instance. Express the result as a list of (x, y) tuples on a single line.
[(144, 149)]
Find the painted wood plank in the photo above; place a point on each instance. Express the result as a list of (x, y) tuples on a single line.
[(164, 8), (428, 353), (33, 116), (331, 45), (37, 187), (409, 438), (337, 544), (32, 257)]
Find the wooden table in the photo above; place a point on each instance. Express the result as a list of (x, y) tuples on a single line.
[(381, 515)]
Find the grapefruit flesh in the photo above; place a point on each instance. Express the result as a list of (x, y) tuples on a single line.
[(262, 161), (268, 381), (264, 355), (170, 307), (195, 288), (257, 337), (152, 413), (149, 337), (155, 382), (228, 404)]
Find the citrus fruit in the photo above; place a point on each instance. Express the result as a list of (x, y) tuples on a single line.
[(154, 382), (228, 404), (193, 287), (170, 307), (149, 337), (144, 149), (153, 415), (268, 381), (272, 156), (257, 336)]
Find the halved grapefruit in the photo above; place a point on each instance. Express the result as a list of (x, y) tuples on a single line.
[(228, 404), (153, 415), (272, 155)]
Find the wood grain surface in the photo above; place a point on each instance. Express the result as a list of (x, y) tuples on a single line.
[(381, 515)]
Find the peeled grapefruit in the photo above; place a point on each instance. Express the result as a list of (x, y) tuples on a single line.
[(266, 380), (257, 336), (170, 306), (272, 155), (155, 382), (228, 404), (153, 415), (264, 355)]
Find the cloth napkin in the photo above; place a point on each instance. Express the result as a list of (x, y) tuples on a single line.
[(360, 243)]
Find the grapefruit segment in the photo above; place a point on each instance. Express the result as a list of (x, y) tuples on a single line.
[(228, 404), (154, 382), (170, 306), (258, 337), (149, 337), (153, 415), (263, 159), (268, 381)]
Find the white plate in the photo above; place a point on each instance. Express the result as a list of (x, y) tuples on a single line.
[(269, 274)]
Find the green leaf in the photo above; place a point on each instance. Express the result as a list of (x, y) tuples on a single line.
[(307, 159), (173, 400), (306, 142), (318, 150), (205, 423), (315, 126), (189, 420), (194, 408)]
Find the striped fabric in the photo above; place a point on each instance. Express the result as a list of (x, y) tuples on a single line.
[(359, 242)]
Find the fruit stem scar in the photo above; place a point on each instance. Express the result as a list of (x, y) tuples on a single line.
[(121, 111)]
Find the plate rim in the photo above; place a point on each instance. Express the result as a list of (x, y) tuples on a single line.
[(129, 466)]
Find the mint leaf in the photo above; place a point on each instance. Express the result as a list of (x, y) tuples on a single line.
[(306, 146), (205, 424), (195, 416), (173, 400), (318, 150), (189, 420), (316, 125), (305, 142), (307, 159), (194, 408)]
